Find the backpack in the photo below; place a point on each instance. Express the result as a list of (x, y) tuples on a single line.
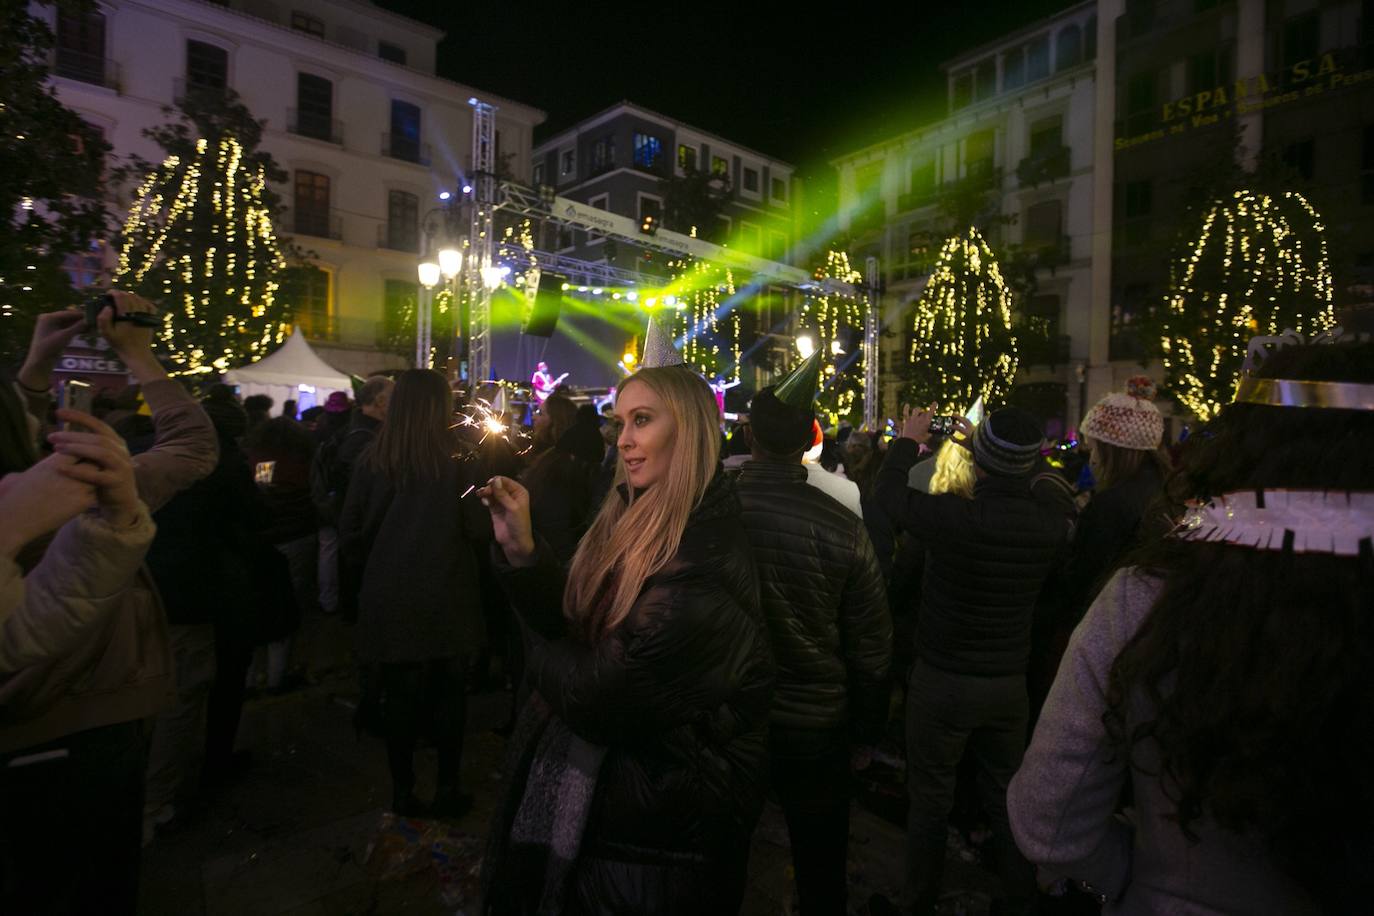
[(329, 477)]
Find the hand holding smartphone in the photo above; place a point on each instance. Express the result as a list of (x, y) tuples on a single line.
[(75, 394)]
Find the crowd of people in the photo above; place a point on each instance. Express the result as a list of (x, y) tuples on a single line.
[(1143, 664)]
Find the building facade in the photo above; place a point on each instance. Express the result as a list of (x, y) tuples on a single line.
[(617, 160), (1284, 88), (1101, 126), (620, 160), (1014, 157), (354, 112)]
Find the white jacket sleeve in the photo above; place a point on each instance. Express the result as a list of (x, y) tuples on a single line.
[(1062, 802), (78, 583)]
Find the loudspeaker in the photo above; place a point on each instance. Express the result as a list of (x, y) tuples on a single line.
[(542, 316)]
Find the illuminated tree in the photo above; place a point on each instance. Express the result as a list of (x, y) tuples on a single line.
[(710, 340), (962, 344), (199, 239), (833, 316), (1258, 266), (51, 167)]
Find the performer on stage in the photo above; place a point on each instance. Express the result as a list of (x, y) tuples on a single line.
[(542, 384), (720, 386)]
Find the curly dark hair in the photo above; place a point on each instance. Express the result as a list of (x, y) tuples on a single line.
[(1258, 666)]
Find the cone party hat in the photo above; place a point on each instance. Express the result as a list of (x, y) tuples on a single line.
[(658, 345), (799, 388)]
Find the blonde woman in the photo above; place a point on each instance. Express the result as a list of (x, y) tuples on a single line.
[(953, 471), (639, 767)]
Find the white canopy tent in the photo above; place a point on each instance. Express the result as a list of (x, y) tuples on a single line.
[(291, 372)]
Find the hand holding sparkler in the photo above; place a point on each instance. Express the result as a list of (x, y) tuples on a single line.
[(509, 504)]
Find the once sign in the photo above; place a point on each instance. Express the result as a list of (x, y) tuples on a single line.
[(102, 364)]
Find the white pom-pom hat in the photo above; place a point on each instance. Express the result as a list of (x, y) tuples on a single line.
[(1127, 419)]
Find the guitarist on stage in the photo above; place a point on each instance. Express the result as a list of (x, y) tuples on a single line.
[(542, 384)]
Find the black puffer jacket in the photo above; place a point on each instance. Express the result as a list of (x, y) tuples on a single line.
[(679, 695), (986, 560), (1112, 522), (823, 597)]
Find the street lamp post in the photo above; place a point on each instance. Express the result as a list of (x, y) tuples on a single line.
[(443, 264), (429, 273)]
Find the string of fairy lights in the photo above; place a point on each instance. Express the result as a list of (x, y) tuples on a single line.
[(834, 316), (1259, 266), (962, 344), (223, 294), (700, 286)]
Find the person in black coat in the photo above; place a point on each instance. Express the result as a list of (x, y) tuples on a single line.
[(225, 591), (826, 605), (1124, 434), (639, 765), (405, 525), (986, 560)]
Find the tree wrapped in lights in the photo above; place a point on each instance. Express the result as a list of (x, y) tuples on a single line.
[(833, 316), (1258, 266), (962, 344), (710, 340), (199, 239)]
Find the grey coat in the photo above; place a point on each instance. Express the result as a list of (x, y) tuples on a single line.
[(1063, 801)]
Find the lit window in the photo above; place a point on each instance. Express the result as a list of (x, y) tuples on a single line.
[(686, 157), (648, 152)]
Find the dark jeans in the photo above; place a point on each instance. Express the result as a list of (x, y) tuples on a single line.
[(811, 777), (233, 656), (72, 828), (423, 700), (948, 714)]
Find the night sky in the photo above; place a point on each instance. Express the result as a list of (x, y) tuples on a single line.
[(800, 87)]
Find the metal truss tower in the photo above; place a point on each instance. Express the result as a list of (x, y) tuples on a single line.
[(480, 241)]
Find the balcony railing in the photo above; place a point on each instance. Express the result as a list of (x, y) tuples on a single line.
[(398, 146), (321, 224), (1042, 166), (917, 198), (96, 69), (316, 127), (316, 326), (982, 175), (183, 89), (1051, 252), (656, 167), (1037, 348), (398, 238)]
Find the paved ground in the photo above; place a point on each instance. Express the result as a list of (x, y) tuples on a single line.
[(292, 835)]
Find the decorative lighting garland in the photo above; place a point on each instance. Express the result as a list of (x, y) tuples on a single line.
[(962, 346), (221, 290), (699, 287), (832, 316), (1247, 274)]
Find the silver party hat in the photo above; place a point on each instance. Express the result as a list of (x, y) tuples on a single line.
[(658, 344)]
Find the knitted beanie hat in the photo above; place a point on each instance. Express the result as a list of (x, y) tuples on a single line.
[(337, 402), (1127, 419), (1007, 443)]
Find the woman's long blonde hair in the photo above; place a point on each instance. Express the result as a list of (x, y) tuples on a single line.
[(953, 471), (631, 539)]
